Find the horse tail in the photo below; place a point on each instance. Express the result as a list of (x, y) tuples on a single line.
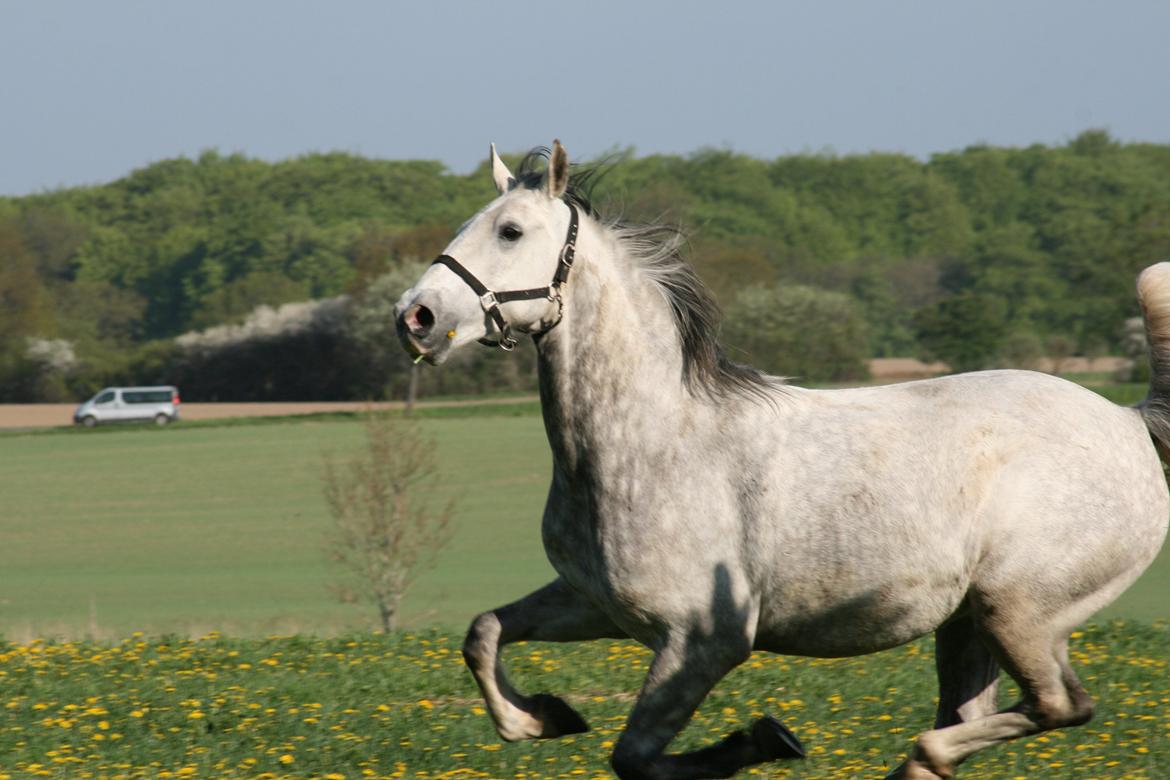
[(1153, 288)]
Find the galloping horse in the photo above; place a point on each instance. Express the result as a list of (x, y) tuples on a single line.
[(707, 510)]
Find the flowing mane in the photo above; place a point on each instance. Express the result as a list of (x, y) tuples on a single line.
[(656, 248)]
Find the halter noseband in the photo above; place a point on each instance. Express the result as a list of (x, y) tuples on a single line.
[(490, 301)]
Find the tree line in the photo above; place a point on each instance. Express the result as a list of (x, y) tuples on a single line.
[(240, 279)]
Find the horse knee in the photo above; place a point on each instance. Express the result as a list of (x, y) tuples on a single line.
[(933, 757), (1075, 709), (479, 646)]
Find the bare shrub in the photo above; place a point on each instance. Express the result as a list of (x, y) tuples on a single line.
[(388, 524)]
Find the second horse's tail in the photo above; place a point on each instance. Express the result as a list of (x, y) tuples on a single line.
[(1153, 288)]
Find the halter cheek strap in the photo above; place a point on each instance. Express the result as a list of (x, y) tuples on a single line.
[(490, 301)]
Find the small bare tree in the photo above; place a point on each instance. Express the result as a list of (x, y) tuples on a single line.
[(387, 523)]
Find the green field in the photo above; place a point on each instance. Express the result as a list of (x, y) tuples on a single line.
[(221, 527), (201, 528), (403, 706), (191, 529)]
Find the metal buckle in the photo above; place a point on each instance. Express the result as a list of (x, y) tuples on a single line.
[(488, 301)]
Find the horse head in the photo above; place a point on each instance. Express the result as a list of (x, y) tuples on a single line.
[(503, 271)]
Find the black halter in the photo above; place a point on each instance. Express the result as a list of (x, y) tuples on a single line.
[(490, 301)]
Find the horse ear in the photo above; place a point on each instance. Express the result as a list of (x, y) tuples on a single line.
[(500, 174), (558, 171)]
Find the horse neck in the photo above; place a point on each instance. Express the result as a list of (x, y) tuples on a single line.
[(611, 371)]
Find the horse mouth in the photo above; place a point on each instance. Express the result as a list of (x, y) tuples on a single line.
[(418, 353), (413, 347)]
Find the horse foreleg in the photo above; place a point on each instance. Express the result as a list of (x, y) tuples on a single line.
[(680, 677), (554, 613)]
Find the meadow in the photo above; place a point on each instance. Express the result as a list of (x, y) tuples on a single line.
[(220, 527), (403, 706), (165, 614), (205, 527)]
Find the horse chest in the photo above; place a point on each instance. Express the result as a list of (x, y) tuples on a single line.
[(638, 566)]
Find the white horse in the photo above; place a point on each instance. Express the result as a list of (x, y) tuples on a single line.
[(706, 510)]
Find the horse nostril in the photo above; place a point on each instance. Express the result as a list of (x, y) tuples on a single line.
[(419, 320), (425, 317)]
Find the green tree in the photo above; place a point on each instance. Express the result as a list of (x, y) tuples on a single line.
[(25, 306), (965, 330), (797, 331), (238, 298), (1055, 234)]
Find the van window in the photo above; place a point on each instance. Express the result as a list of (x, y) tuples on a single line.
[(105, 397), (147, 397)]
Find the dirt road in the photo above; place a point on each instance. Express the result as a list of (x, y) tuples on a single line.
[(50, 415)]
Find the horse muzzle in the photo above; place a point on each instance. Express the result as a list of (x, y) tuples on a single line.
[(421, 331)]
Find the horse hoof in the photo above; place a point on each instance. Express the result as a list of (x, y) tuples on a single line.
[(774, 738), (557, 717), (915, 770)]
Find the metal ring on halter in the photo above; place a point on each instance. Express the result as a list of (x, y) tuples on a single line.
[(506, 342)]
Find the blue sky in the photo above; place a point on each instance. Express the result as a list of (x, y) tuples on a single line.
[(92, 90)]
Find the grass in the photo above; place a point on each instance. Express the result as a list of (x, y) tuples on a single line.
[(209, 527), (1123, 393), (219, 527), (190, 529), (404, 706)]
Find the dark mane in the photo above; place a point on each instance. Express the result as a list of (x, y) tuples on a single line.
[(533, 168), (657, 249)]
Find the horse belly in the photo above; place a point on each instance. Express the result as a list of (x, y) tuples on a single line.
[(817, 621)]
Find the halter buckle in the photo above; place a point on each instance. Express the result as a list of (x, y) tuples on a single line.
[(488, 301), (568, 252)]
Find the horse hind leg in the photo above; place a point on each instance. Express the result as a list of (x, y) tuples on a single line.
[(1036, 656), (968, 674), (968, 677)]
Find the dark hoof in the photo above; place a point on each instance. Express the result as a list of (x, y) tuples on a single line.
[(558, 717), (775, 740)]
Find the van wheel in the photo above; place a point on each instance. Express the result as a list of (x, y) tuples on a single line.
[(89, 421), (161, 419)]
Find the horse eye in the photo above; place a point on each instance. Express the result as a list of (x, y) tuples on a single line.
[(511, 233)]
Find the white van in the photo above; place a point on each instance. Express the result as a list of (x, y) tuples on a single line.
[(130, 404)]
